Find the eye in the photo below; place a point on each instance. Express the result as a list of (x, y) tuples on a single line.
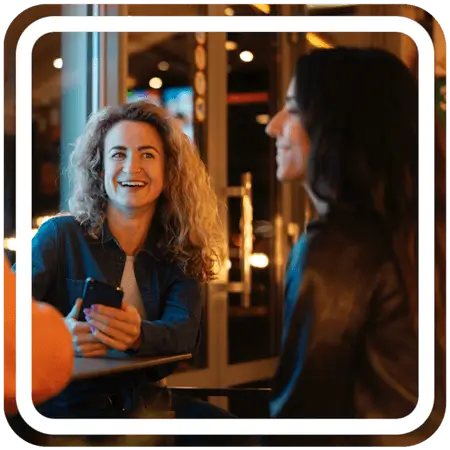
[(148, 155), (118, 155)]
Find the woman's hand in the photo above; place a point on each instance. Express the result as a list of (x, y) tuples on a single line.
[(119, 329), (83, 340)]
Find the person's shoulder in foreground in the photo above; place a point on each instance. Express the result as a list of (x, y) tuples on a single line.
[(53, 356)]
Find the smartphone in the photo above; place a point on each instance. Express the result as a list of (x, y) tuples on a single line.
[(100, 293)]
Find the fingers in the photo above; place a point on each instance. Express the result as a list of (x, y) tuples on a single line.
[(113, 343), (76, 328), (111, 332), (91, 350), (126, 306), (86, 338), (75, 311), (80, 328), (114, 327), (104, 327), (91, 347), (128, 315), (86, 344)]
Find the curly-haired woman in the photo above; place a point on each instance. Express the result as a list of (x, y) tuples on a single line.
[(143, 216)]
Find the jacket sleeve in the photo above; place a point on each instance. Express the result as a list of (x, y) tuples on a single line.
[(178, 330), (389, 388), (44, 259), (52, 352), (350, 349), (388, 381)]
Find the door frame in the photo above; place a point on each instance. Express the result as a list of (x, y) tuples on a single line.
[(219, 372)]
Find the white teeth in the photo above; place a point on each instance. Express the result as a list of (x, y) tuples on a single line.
[(133, 183)]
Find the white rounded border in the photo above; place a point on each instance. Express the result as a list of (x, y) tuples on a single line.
[(426, 224)]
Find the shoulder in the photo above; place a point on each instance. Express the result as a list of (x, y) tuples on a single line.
[(60, 228), (63, 223), (352, 238)]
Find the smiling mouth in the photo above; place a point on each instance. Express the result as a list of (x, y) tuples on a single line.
[(133, 184)]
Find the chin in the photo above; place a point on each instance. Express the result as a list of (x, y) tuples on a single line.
[(289, 176), (133, 205), (284, 177)]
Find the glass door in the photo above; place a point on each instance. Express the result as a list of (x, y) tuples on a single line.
[(244, 306)]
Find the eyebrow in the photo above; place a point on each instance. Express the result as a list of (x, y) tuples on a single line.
[(140, 148)]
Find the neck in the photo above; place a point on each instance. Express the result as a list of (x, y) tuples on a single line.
[(130, 228), (320, 206)]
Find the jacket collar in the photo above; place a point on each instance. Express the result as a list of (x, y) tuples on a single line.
[(151, 245)]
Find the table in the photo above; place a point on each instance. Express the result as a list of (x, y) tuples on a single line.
[(97, 367)]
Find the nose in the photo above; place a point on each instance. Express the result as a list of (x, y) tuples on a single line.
[(273, 128), (132, 163)]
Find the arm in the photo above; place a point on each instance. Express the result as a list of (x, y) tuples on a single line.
[(44, 259), (178, 330), (52, 354), (350, 347), (390, 386)]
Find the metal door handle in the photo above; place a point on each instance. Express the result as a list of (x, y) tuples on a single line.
[(246, 249)]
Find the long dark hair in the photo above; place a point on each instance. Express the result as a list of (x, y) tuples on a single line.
[(360, 110)]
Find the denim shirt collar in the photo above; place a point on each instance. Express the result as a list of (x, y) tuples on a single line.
[(150, 247)]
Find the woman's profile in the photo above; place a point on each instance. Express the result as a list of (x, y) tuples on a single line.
[(349, 133)]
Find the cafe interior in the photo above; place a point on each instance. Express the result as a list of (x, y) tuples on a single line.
[(224, 87)]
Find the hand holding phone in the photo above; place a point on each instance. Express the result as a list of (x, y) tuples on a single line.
[(119, 329), (83, 340), (113, 322), (97, 292)]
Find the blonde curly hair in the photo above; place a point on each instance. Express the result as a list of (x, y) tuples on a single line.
[(187, 209)]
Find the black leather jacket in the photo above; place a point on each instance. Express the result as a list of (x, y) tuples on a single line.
[(350, 349)]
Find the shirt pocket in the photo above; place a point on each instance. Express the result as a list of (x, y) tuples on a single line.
[(74, 290)]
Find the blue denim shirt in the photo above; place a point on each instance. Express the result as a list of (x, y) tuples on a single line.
[(64, 255)]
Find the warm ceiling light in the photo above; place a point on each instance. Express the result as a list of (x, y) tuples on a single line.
[(163, 66), (316, 41), (229, 11), (263, 8), (259, 260), (155, 83), (323, 6), (263, 119), (58, 63), (231, 45), (246, 56)]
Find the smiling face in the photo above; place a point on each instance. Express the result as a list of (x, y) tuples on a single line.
[(133, 166), (291, 139)]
